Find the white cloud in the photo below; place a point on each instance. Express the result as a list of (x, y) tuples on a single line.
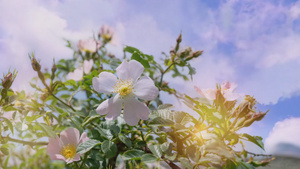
[(261, 47), (285, 133)]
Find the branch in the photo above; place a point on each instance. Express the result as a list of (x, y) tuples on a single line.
[(30, 143)]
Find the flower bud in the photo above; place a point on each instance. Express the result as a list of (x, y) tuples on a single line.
[(106, 32), (53, 69), (179, 39), (259, 116), (194, 55), (245, 107), (7, 81), (35, 64)]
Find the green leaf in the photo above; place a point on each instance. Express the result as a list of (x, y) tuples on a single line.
[(137, 57), (47, 129), (89, 119), (9, 124), (6, 162), (4, 150), (149, 158), (185, 162), (125, 140), (165, 106), (102, 132), (254, 139), (158, 121), (131, 49), (86, 146), (133, 154), (109, 149), (155, 149)]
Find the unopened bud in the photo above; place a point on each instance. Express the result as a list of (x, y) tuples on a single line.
[(35, 64), (179, 39), (8, 80), (245, 107), (247, 123), (53, 69), (242, 120), (185, 53), (259, 116), (197, 53), (6, 83)]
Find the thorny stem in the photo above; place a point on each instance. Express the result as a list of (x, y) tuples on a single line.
[(163, 73), (30, 143), (62, 102), (49, 90), (254, 154)]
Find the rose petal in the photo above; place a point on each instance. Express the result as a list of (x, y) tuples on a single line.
[(210, 94), (77, 75), (229, 96), (105, 82), (115, 105), (130, 70), (54, 147), (103, 108), (145, 89), (70, 136), (76, 158), (83, 138), (87, 66), (59, 157), (135, 110), (228, 86)]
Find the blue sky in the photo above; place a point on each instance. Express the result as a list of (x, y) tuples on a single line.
[(253, 43)]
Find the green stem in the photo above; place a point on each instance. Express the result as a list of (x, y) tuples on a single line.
[(30, 143), (163, 73), (62, 101)]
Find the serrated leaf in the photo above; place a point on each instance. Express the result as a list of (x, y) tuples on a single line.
[(9, 124), (185, 162), (149, 158), (165, 106), (155, 149), (89, 119), (86, 146), (47, 129), (4, 150), (109, 149), (254, 139), (133, 154), (158, 121), (130, 49), (125, 140)]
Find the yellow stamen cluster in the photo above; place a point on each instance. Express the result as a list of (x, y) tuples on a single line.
[(69, 151), (123, 87)]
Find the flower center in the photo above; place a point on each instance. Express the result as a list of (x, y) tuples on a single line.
[(69, 151), (123, 87)]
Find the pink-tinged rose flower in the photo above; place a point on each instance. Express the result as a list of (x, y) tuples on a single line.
[(227, 89), (89, 45), (77, 74), (126, 88), (106, 32), (210, 94), (64, 147)]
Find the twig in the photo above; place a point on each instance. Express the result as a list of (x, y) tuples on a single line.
[(30, 143)]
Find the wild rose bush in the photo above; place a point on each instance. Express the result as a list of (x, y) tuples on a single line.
[(97, 110)]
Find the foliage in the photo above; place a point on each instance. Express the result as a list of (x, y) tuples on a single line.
[(169, 136)]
